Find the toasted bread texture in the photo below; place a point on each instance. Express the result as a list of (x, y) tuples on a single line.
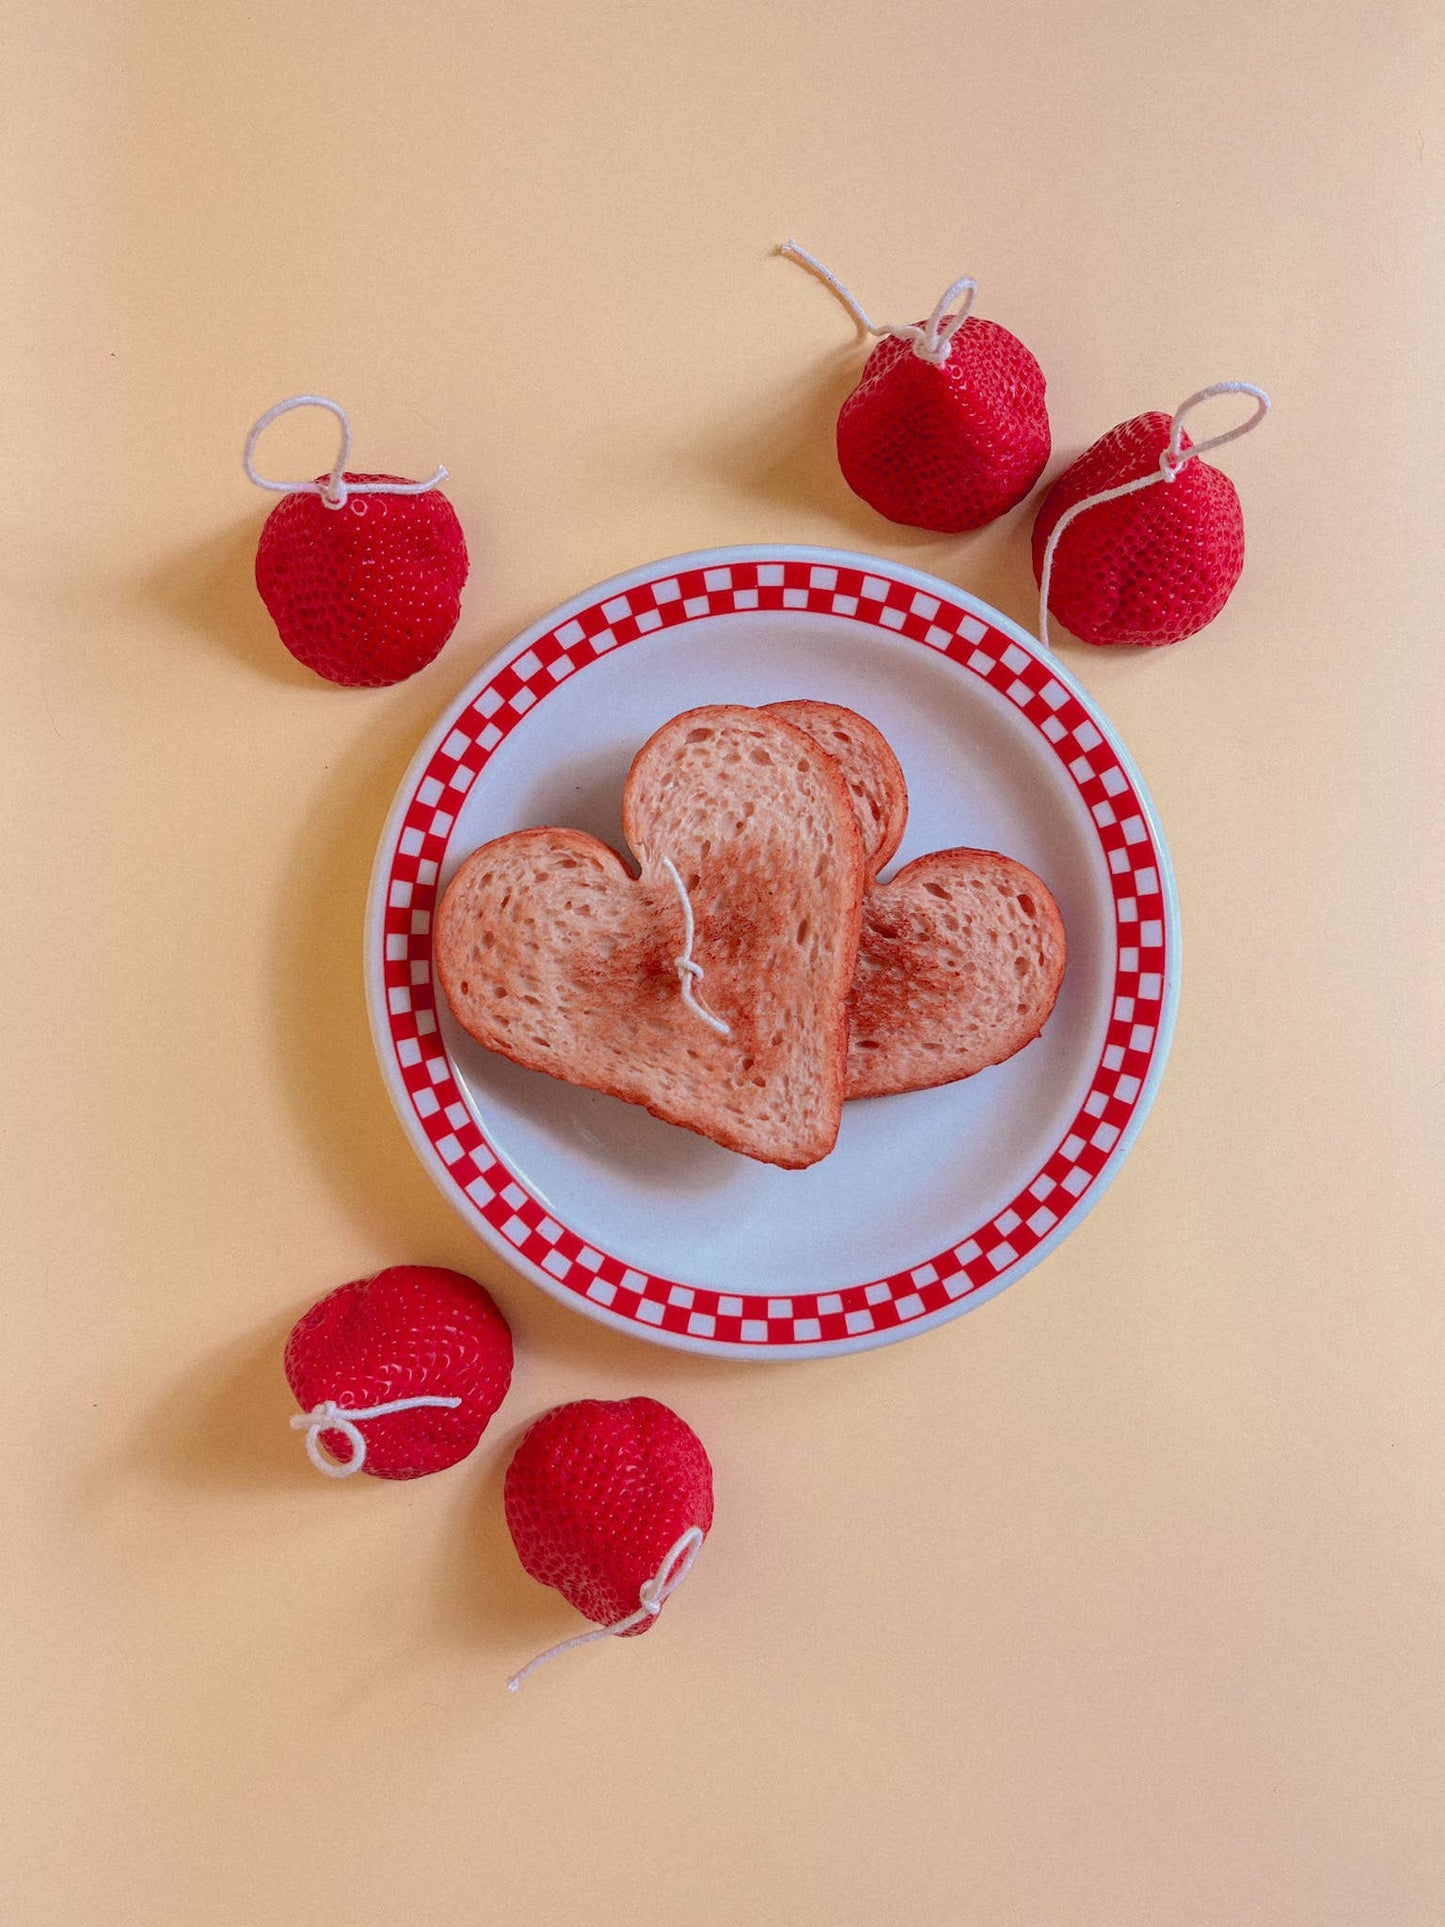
[(960, 962), (961, 956), (872, 772), (552, 953)]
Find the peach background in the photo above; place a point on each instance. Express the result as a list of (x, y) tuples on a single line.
[(1116, 1603)]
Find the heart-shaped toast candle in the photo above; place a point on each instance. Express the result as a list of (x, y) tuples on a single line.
[(960, 964), (711, 988), (961, 954)]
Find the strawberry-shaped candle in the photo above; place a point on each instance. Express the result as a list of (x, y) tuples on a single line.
[(398, 1375), (609, 1501), (947, 427), (1138, 540), (362, 574)]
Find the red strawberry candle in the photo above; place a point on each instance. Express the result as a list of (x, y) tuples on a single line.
[(362, 574), (398, 1375), (947, 427), (1139, 540), (609, 1501)]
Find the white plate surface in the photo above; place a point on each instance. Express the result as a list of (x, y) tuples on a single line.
[(932, 1201)]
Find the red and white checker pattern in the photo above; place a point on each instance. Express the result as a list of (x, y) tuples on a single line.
[(663, 1305)]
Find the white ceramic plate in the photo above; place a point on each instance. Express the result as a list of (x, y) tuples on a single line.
[(932, 1201)]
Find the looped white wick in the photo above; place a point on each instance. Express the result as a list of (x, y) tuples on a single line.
[(677, 1563), (335, 490), (931, 342), (1174, 458), (329, 1417), (689, 970)]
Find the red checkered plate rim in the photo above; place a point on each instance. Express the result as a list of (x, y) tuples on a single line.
[(913, 609)]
